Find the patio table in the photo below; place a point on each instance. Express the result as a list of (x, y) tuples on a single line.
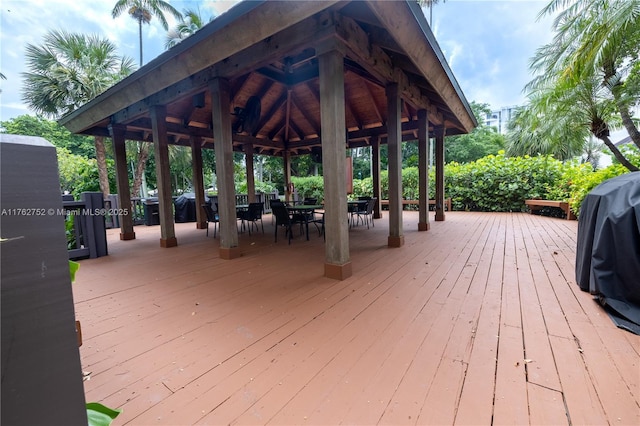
[(306, 210)]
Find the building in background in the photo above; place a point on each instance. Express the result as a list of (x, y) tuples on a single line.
[(500, 118)]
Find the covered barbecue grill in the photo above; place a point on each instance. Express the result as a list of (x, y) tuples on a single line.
[(608, 252)]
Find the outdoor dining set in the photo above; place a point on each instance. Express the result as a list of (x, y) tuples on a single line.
[(288, 214)]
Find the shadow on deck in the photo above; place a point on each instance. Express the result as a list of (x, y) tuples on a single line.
[(477, 321)]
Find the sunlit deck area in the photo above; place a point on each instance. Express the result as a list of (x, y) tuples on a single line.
[(477, 321)]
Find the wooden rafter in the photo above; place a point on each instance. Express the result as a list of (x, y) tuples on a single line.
[(310, 119), (373, 58), (374, 104)]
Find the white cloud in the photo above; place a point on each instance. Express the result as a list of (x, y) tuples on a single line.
[(487, 43), (497, 39)]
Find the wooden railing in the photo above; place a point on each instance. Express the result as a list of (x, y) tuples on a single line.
[(145, 211), (85, 226), (432, 202)]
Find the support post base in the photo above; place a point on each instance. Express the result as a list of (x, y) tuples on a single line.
[(338, 272), (125, 236), (168, 242), (228, 253), (423, 226), (439, 216), (396, 241), (201, 225)]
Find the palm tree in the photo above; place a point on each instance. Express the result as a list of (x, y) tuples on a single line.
[(597, 36), (67, 71), (190, 22), (429, 4), (142, 11), (560, 115), (580, 87)]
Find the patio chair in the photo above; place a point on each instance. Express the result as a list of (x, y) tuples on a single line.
[(318, 221), (283, 219), (212, 217), (366, 215), (252, 215)]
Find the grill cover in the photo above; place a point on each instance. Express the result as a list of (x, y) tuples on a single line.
[(608, 250)]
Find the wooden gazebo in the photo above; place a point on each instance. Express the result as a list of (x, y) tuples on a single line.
[(326, 76)]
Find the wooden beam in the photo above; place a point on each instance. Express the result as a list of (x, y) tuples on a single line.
[(423, 171), (287, 116), (332, 113), (279, 103), (260, 94), (374, 104), (236, 42), (396, 234), (163, 176), (375, 175), (198, 180), (403, 23), (223, 143), (118, 134), (439, 162), (286, 167), (310, 119), (373, 58), (251, 183)]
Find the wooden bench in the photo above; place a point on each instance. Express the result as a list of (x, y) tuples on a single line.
[(535, 205), (447, 203)]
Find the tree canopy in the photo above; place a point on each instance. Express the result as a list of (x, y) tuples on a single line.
[(586, 80), (482, 141)]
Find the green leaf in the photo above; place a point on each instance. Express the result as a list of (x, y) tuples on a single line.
[(73, 268), (100, 415)]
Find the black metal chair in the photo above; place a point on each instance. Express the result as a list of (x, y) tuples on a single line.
[(318, 221), (212, 217), (366, 215), (252, 215), (283, 219)]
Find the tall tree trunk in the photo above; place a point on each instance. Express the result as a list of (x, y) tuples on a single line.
[(140, 38), (623, 108), (616, 153), (101, 159), (141, 163), (627, 121)]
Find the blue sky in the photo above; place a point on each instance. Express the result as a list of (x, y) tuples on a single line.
[(488, 44)]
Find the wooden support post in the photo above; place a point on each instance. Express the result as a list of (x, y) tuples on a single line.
[(198, 181), (439, 173), (286, 166), (251, 183), (375, 175), (122, 179), (423, 170), (394, 141), (332, 112), (223, 144), (163, 175)]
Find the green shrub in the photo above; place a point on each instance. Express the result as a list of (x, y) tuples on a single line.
[(584, 183), (499, 183), (309, 186), (264, 187)]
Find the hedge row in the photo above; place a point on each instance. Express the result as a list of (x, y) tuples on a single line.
[(499, 183), (493, 183)]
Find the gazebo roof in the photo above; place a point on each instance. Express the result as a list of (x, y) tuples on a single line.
[(268, 50)]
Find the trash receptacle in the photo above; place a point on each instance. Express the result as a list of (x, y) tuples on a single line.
[(151, 212)]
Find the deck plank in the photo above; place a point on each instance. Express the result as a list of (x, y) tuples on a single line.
[(477, 321)]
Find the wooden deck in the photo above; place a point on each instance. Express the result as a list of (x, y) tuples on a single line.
[(477, 321)]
